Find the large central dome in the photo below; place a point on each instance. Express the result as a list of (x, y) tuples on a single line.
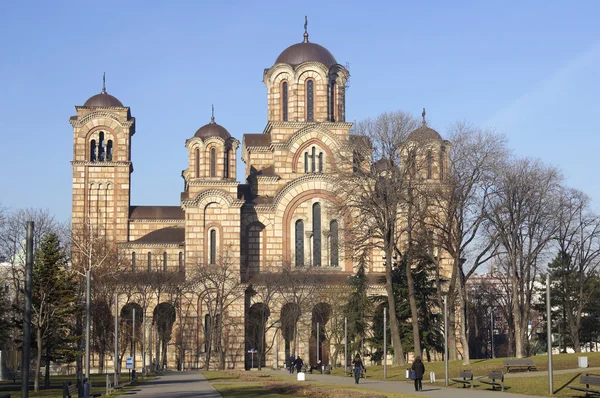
[(305, 52)]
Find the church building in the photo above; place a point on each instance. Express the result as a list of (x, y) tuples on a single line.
[(279, 216)]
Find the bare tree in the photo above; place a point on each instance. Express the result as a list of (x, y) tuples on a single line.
[(264, 289), (456, 212), (522, 217), (13, 227), (375, 187), (578, 241), (220, 288)]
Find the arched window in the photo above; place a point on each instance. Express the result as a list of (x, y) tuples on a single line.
[(334, 259), (149, 261), (429, 161), (306, 162), (165, 261), (332, 101), (133, 262), (93, 151), (310, 100), (320, 162), (197, 163), (101, 147), (284, 101), (316, 215), (313, 159), (299, 243), (213, 162), (226, 168), (109, 151), (213, 246), (180, 261)]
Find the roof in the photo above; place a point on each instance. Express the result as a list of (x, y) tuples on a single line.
[(212, 129), (156, 213), (103, 99), (305, 52), (168, 235), (424, 133), (257, 139)]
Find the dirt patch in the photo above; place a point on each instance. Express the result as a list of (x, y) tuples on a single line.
[(308, 390)]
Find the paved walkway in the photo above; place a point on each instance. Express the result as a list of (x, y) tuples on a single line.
[(429, 390), (176, 385)]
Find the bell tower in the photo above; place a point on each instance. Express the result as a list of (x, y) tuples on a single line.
[(102, 167)]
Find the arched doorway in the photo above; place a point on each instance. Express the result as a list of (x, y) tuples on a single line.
[(128, 342), (163, 319), (290, 314), (319, 347), (258, 316)]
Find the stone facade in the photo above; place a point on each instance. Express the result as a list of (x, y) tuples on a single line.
[(280, 218)]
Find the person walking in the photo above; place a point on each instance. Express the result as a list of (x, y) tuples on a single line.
[(299, 363), (419, 370), (358, 365), (291, 362)]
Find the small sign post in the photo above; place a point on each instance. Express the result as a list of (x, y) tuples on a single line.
[(252, 352), (129, 365)]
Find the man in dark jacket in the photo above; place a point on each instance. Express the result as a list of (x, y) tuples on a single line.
[(291, 362), (419, 370), (299, 363)]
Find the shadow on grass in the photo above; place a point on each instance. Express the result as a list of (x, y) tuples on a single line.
[(567, 383), (258, 390)]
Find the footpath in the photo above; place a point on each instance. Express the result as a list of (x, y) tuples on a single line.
[(190, 384)]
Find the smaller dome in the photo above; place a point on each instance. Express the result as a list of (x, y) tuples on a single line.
[(424, 134), (212, 129), (103, 99)]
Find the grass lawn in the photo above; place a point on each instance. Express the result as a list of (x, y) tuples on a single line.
[(479, 367), (56, 390), (234, 384)]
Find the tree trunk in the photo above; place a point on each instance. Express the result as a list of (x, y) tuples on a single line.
[(47, 373), (414, 312), (38, 361), (394, 327), (451, 330), (518, 330), (463, 324)]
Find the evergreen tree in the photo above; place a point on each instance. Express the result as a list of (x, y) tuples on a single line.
[(358, 308), (53, 304)]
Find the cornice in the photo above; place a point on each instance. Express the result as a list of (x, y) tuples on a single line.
[(102, 164), (157, 245), (156, 221), (201, 182)]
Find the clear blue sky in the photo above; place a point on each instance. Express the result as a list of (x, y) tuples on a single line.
[(529, 69)]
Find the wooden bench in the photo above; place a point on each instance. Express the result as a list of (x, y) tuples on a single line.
[(112, 383), (467, 378), (494, 379), (70, 390), (589, 380), (520, 364)]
